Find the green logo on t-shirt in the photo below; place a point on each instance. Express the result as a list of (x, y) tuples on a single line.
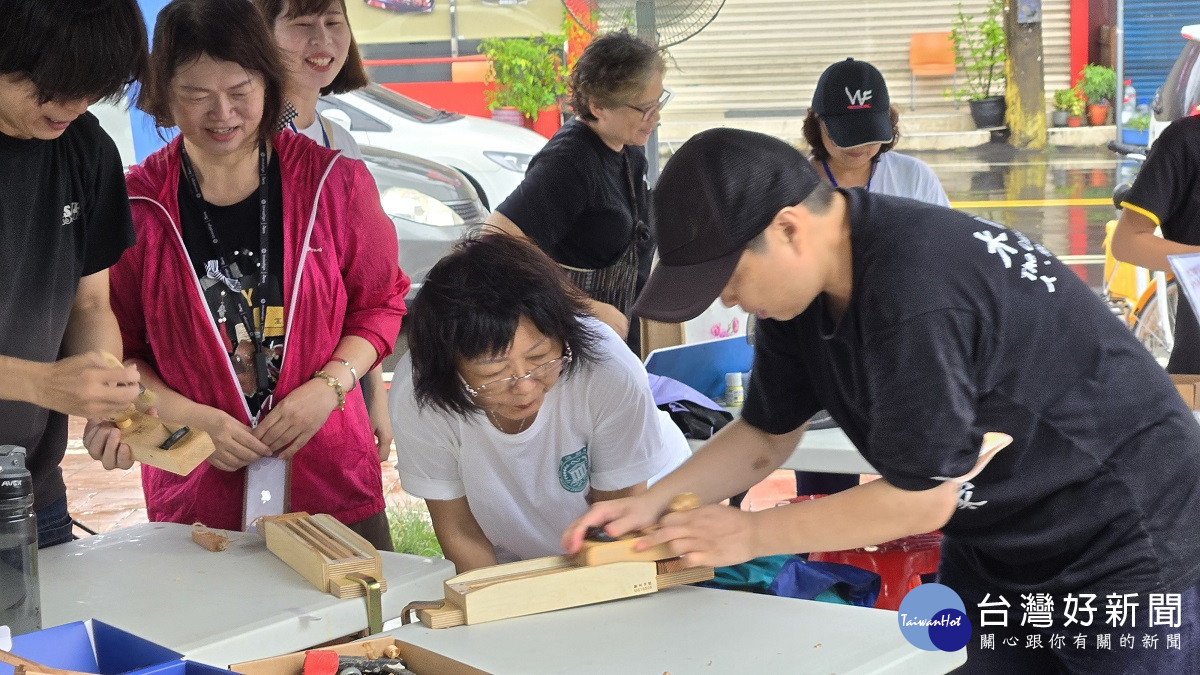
[(573, 471)]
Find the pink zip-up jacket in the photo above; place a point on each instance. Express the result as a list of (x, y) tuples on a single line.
[(341, 277)]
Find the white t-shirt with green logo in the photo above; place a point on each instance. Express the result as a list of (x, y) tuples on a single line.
[(598, 428)]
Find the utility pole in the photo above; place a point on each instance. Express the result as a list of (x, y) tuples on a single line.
[(1025, 94)]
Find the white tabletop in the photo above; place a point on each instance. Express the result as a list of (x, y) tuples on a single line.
[(217, 608), (826, 450), (688, 630)]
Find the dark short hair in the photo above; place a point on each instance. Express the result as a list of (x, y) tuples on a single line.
[(72, 50), (469, 307), (226, 30), (612, 70), (812, 134), (818, 201), (353, 74)]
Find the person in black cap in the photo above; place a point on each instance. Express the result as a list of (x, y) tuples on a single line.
[(852, 128), (921, 328)]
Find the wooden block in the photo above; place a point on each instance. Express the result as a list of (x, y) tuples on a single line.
[(144, 434), (621, 550), (1187, 386), (596, 552), (208, 539), (446, 616)]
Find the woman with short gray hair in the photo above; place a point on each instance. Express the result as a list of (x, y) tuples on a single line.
[(584, 200)]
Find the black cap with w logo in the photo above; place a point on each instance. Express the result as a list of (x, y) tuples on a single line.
[(852, 100)]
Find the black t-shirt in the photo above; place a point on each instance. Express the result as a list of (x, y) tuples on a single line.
[(1167, 190), (64, 214), (575, 201), (957, 326), (237, 228)]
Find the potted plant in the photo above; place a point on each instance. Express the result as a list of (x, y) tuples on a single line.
[(1063, 100), (979, 49), (1075, 112), (1099, 85), (1136, 130), (527, 75)]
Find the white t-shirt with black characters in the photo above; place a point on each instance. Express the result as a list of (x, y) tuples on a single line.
[(598, 429), (905, 176), (957, 326)]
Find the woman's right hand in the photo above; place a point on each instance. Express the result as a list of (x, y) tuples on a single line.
[(236, 445)]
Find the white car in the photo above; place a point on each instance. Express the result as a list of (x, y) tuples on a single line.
[(492, 155)]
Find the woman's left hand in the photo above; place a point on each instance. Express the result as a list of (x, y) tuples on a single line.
[(712, 536), (295, 419)]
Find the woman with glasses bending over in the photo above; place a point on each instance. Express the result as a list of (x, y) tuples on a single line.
[(584, 197), (264, 280), (514, 409)]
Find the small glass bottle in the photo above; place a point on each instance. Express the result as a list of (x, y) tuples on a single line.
[(20, 595), (734, 394)]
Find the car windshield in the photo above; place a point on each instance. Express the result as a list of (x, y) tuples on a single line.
[(403, 105)]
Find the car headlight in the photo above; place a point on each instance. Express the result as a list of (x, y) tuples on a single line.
[(418, 207), (513, 161)]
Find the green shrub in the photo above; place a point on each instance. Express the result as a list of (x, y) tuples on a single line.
[(1063, 99), (412, 531), (527, 73), (1138, 122), (1098, 83), (979, 49)]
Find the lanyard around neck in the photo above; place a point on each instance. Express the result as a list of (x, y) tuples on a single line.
[(324, 135), (833, 181), (228, 270)]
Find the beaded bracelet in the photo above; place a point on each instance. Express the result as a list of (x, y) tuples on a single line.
[(337, 387), (353, 372)]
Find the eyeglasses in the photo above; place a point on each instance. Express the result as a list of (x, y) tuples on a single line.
[(647, 112), (546, 373)]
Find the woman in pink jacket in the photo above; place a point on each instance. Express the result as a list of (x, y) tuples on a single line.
[(263, 358)]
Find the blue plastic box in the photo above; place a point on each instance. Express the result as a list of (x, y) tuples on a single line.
[(96, 647)]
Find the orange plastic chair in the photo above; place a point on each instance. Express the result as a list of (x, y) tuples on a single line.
[(930, 55), (469, 71)]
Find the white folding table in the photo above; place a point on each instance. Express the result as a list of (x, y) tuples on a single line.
[(686, 630), (240, 604)]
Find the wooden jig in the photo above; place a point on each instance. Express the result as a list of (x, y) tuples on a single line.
[(606, 570), (324, 551)]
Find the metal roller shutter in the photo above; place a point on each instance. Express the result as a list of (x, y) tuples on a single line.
[(1152, 40), (761, 58)]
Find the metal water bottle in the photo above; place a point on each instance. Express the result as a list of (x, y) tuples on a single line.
[(20, 596)]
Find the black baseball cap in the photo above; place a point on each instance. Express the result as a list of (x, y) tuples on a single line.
[(718, 191), (852, 100)]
